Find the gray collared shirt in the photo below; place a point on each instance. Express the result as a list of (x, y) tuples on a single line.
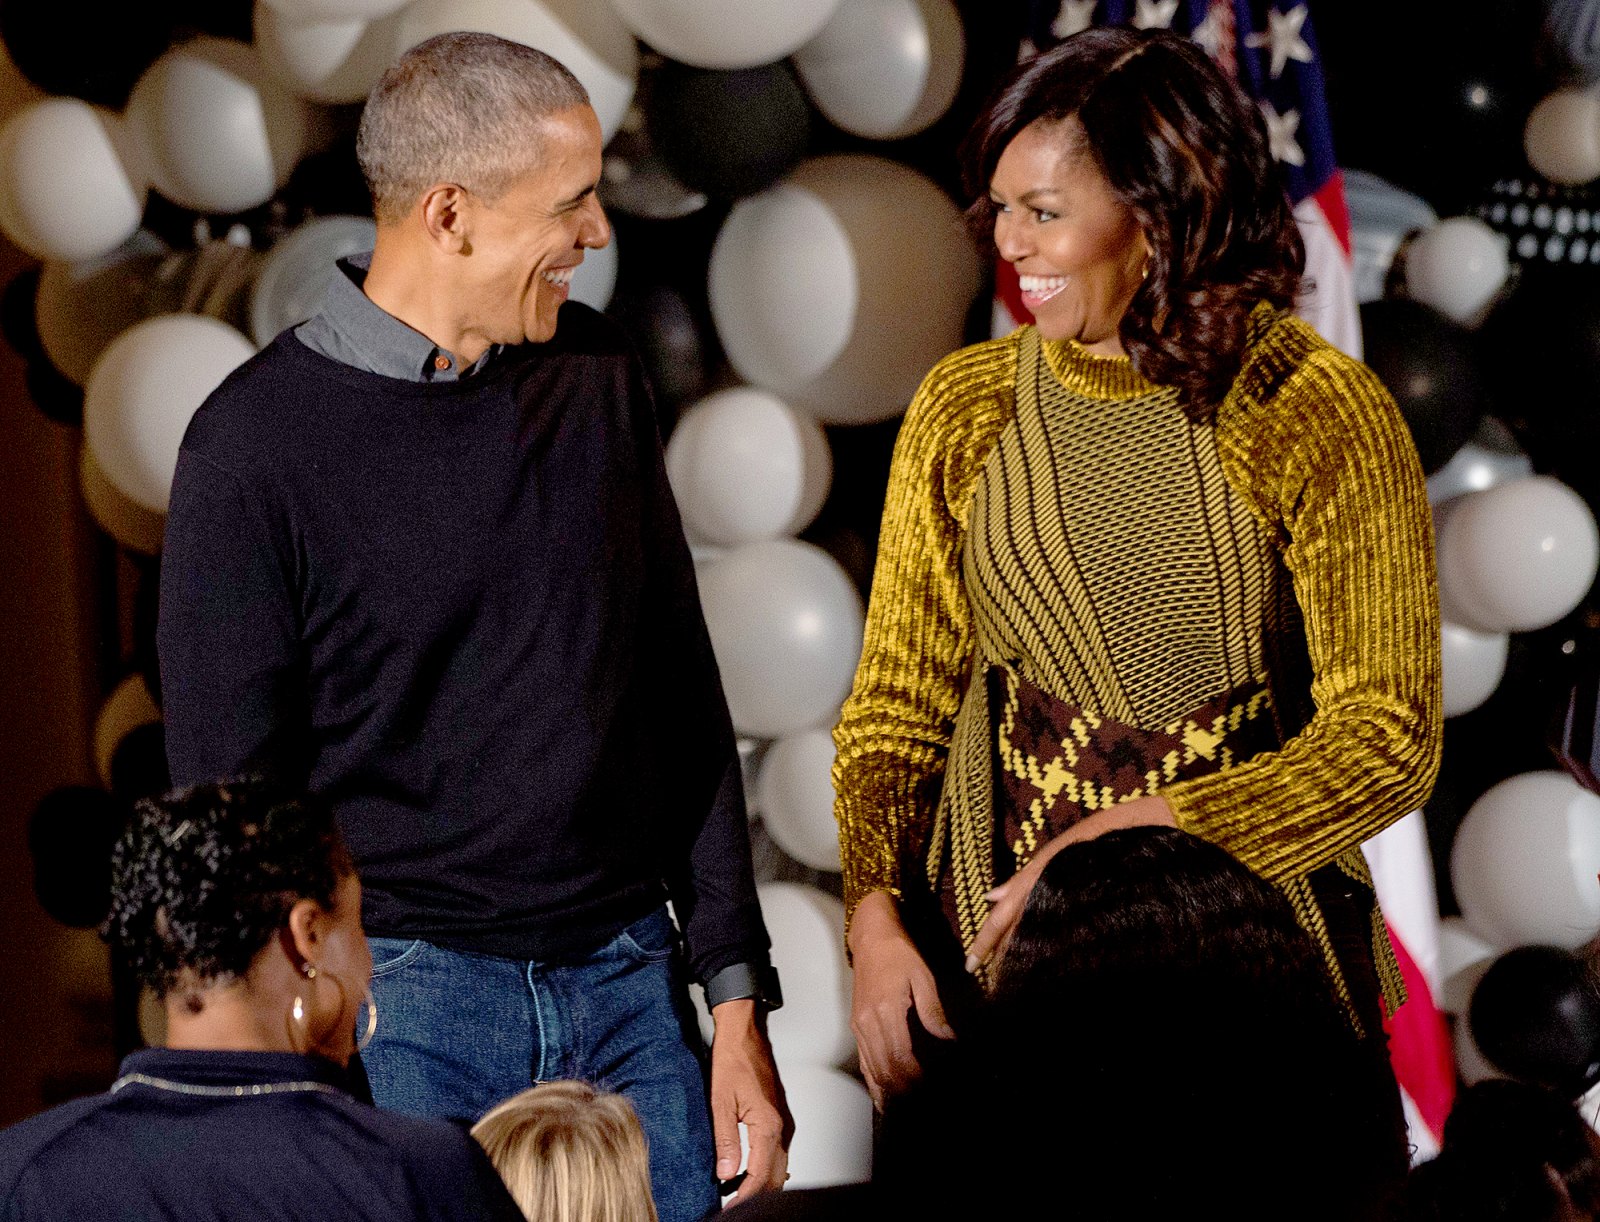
[(353, 330)]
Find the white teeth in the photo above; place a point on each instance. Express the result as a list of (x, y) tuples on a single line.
[(562, 277), (1041, 284)]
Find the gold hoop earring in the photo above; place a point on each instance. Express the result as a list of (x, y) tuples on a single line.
[(299, 1015), (365, 1038)]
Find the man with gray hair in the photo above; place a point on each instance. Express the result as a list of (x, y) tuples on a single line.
[(422, 557)]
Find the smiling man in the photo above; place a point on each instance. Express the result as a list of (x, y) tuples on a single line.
[(422, 557)]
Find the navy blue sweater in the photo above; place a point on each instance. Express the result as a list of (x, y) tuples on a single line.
[(150, 1150), (465, 613)]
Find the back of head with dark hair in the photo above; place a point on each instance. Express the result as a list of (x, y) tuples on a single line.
[(1512, 1151), (203, 878), (1183, 148), (1162, 1037)]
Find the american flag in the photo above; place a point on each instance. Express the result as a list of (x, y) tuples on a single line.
[(1270, 48)]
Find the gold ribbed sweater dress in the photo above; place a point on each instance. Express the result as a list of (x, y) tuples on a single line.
[(1053, 512)]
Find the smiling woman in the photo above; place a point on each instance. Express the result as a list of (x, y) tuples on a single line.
[(1163, 557)]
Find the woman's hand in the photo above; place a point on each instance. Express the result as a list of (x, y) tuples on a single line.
[(891, 980), (1008, 899)]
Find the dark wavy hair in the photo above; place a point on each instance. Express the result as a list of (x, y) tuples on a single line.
[(1167, 916), (1163, 1040), (1512, 1150), (204, 877), (1183, 148)]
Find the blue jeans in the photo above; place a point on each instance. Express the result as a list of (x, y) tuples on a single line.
[(459, 1032)]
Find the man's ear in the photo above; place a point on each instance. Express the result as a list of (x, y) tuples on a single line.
[(445, 210)]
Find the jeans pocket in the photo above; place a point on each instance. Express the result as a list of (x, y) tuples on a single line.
[(392, 954), (650, 939)]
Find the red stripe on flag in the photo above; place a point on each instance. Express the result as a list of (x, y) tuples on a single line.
[(1009, 291), (1419, 1046), (1330, 198)]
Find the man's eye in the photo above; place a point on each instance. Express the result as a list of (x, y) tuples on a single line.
[(1042, 215)]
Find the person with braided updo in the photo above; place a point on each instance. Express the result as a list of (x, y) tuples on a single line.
[(238, 905)]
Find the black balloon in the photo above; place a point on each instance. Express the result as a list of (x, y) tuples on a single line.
[(1427, 362), (139, 763), (19, 321), (669, 339), (90, 49), (1541, 359), (728, 133), (1433, 101), (54, 394), (70, 836), (1536, 1016)]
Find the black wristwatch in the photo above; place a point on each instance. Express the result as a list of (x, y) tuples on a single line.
[(738, 981)]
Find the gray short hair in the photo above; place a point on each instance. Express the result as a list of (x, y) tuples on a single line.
[(461, 108)]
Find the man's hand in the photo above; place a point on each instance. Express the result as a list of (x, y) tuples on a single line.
[(1010, 897), (745, 1088), (891, 980)]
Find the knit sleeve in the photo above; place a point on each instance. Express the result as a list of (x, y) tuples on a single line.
[(1333, 472), (895, 730)]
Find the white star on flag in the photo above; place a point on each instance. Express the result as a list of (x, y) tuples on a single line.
[(1283, 36), (1208, 34), (1155, 14), (1280, 134), (1075, 17)]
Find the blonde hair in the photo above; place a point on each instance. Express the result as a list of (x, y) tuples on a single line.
[(570, 1153)]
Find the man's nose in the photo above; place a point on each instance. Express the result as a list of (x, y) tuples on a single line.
[(596, 230)]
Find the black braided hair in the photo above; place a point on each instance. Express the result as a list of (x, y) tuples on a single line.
[(204, 877)]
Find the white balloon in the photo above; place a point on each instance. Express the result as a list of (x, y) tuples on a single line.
[(335, 10), (832, 1126), (1491, 457), (324, 59), (745, 466), (294, 277), (1382, 216), (585, 35), (807, 930), (70, 185), (143, 392), (1474, 664), (726, 33), (1458, 267), (1517, 556), (81, 307), (1562, 136), (786, 626), (596, 277), (129, 706), (840, 287), (885, 68), (1463, 959), (132, 525), (795, 785), (218, 132), (1525, 860)]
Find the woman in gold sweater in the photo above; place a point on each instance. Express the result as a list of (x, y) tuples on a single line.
[(1163, 557)]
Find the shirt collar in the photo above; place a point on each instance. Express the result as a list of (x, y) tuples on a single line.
[(207, 1067), (381, 342)]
